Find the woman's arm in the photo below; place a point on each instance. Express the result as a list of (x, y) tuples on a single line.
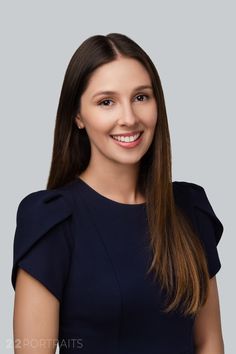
[(207, 327), (36, 316)]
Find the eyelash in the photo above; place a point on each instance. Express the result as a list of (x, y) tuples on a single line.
[(107, 99)]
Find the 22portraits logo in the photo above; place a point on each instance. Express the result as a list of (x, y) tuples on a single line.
[(69, 343)]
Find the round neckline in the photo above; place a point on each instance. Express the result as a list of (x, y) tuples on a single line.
[(99, 195)]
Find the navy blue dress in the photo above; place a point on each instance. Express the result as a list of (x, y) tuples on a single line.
[(92, 254)]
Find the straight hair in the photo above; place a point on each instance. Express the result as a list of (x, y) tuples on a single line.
[(178, 259)]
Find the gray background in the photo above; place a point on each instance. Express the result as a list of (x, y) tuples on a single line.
[(192, 45)]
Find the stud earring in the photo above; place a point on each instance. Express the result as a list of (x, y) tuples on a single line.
[(79, 125)]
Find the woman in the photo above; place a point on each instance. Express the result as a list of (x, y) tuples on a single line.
[(114, 257)]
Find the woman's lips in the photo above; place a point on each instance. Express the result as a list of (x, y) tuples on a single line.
[(128, 144), (128, 134)]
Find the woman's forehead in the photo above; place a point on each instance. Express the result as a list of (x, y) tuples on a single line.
[(117, 76)]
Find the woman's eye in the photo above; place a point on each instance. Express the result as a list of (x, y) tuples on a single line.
[(142, 96), (107, 101), (103, 103)]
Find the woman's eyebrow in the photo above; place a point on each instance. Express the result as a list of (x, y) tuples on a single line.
[(141, 87)]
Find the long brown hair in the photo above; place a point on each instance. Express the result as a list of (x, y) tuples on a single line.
[(178, 259)]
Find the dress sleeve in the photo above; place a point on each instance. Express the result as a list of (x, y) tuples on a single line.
[(208, 225), (43, 242)]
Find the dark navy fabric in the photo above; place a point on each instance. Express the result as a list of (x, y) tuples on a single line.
[(93, 253)]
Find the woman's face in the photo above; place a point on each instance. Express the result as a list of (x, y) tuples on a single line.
[(126, 108)]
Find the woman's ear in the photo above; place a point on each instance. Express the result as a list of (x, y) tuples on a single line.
[(79, 122)]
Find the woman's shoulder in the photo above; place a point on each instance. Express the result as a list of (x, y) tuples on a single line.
[(43, 233), (193, 193), (56, 203), (187, 187), (193, 198), (189, 195), (49, 206), (194, 202)]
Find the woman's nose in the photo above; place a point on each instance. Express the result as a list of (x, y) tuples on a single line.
[(127, 115)]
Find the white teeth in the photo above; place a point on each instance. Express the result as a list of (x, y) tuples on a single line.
[(127, 139)]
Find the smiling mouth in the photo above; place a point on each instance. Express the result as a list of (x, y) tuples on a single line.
[(126, 139)]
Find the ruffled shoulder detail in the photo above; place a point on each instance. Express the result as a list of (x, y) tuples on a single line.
[(202, 203), (37, 214), (193, 200)]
